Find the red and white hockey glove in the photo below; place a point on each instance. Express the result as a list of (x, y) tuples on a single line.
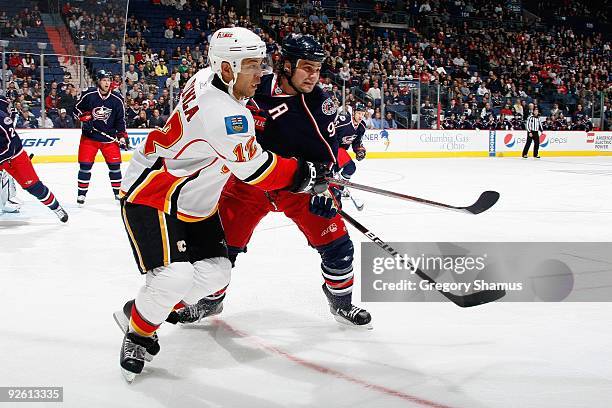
[(259, 116), (360, 152), (124, 140), (85, 117)]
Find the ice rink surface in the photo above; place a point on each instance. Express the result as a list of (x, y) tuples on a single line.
[(276, 344)]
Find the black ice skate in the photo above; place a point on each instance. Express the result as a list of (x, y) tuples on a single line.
[(132, 357), (122, 318), (61, 214), (346, 313), (195, 313), (352, 316)]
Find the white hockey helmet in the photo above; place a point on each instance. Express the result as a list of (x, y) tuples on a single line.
[(232, 45)]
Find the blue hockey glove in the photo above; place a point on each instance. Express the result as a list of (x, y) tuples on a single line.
[(323, 205)]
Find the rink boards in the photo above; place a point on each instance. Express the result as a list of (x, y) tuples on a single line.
[(61, 145)]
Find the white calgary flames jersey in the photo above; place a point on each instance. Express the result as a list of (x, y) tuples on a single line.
[(182, 168)]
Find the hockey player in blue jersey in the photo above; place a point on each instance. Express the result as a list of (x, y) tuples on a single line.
[(295, 118), (102, 114), (15, 161), (349, 131)]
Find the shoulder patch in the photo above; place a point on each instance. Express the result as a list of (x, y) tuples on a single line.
[(236, 124), (342, 118), (328, 107), (8, 121)]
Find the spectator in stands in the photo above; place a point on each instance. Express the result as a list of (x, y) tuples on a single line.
[(51, 102), (20, 31), (156, 121), (48, 122), (25, 118), (183, 67), (506, 110), (161, 70), (554, 111), (377, 122), (63, 121), (179, 32), (482, 90), (163, 105), (69, 99), (131, 74), (517, 108), (374, 93), (141, 121), (486, 111), (149, 71), (169, 33)]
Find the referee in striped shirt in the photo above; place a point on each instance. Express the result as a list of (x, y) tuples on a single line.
[(534, 127)]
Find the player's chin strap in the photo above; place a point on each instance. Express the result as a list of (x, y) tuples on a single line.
[(290, 76)]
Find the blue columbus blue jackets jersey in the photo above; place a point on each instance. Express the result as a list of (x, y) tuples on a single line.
[(108, 114), (10, 144), (299, 125), (347, 133)]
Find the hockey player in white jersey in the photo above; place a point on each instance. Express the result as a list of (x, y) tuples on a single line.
[(173, 183)]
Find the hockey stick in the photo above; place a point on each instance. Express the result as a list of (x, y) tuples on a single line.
[(484, 202), (113, 139), (473, 299), (355, 203)]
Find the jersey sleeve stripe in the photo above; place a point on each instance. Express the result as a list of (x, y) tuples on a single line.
[(263, 171)]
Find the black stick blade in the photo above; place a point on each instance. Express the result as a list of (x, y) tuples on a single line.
[(484, 202), (475, 299)]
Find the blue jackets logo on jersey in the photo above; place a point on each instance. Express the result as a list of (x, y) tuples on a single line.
[(101, 113), (328, 107), (236, 124), (7, 121)]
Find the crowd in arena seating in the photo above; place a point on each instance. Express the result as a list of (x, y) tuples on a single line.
[(487, 77), (88, 24), (17, 26)]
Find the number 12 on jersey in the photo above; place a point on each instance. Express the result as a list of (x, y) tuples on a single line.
[(240, 150)]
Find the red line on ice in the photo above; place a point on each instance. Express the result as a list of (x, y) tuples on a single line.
[(330, 371)]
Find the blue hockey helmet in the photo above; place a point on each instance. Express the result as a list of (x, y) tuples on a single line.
[(101, 74), (302, 46), (360, 107)]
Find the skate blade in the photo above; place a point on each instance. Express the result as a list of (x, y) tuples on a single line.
[(345, 323), (123, 323), (128, 375), (10, 210)]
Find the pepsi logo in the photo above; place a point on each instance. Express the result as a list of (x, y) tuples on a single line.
[(509, 140), (544, 140)]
